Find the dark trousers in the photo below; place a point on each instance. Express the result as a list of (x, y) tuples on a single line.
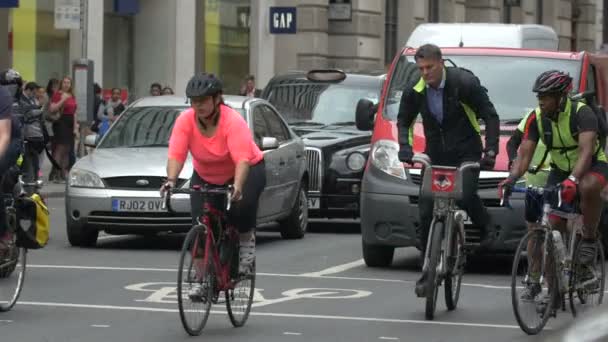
[(470, 202), (243, 214), (31, 161)]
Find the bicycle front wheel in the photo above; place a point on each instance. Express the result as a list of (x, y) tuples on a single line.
[(432, 280), (12, 274), (531, 297), (240, 298), (455, 270), (195, 282), (587, 282), (12, 268)]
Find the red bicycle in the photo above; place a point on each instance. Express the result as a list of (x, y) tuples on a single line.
[(209, 264)]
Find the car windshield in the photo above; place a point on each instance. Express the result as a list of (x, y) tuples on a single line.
[(321, 104), (509, 80), (142, 127)]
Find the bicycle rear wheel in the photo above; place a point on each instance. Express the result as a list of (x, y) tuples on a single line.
[(533, 311), (194, 273), (587, 283), (432, 279), (12, 270), (455, 270), (240, 298)]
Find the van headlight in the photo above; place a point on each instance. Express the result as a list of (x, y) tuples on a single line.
[(85, 179), (385, 156)]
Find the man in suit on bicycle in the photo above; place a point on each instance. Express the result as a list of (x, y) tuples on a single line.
[(450, 101)]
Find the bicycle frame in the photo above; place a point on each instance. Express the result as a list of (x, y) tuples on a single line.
[(444, 185), (211, 245), (211, 241), (574, 228)]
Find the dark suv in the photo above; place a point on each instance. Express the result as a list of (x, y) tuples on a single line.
[(320, 106)]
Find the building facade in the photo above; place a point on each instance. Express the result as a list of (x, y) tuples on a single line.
[(134, 43)]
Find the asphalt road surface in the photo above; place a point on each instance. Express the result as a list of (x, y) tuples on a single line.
[(314, 289)]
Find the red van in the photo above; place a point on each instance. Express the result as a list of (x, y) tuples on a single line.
[(389, 190)]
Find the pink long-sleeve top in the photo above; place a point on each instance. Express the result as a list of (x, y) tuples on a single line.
[(214, 158)]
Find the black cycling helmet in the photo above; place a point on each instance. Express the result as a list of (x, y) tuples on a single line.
[(552, 82), (203, 84), (11, 76)]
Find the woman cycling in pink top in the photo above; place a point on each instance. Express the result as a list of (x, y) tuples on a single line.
[(223, 152)]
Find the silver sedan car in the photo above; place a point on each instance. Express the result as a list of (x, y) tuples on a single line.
[(116, 187)]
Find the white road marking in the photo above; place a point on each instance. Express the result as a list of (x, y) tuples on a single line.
[(336, 269), (281, 315), (280, 275), (100, 326), (5, 321), (103, 268), (292, 333), (389, 338)]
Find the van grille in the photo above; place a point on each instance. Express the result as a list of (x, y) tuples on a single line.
[(484, 183)]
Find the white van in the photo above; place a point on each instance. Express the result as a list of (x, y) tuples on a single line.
[(527, 36)]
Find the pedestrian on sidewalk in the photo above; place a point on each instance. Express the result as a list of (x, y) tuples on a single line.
[(64, 102)]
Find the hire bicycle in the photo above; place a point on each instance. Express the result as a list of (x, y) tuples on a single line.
[(445, 254)]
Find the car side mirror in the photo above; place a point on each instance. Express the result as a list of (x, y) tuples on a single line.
[(365, 115), (269, 143), (90, 140)]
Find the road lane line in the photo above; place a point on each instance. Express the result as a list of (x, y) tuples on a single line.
[(335, 269), (280, 275), (280, 315), (389, 338), (292, 333), (5, 321), (103, 268), (144, 269), (100, 326)]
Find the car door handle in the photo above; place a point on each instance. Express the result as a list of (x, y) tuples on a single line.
[(282, 162), (298, 156)]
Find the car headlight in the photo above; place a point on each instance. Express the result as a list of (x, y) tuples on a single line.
[(85, 179), (385, 156), (355, 161)]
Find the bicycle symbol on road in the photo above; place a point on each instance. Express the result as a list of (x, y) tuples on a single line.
[(166, 292)]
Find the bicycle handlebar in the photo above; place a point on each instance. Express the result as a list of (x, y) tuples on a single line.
[(539, 190), (425, 160), (197, 189)]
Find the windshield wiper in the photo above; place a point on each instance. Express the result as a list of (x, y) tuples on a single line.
[(306, 123), (512, 122), (343, 123)]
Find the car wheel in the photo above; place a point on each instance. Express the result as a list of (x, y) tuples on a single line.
[(82, 236), (296, 224), (377, 256)]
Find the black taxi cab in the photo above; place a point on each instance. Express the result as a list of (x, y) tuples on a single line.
[(320, 106)]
